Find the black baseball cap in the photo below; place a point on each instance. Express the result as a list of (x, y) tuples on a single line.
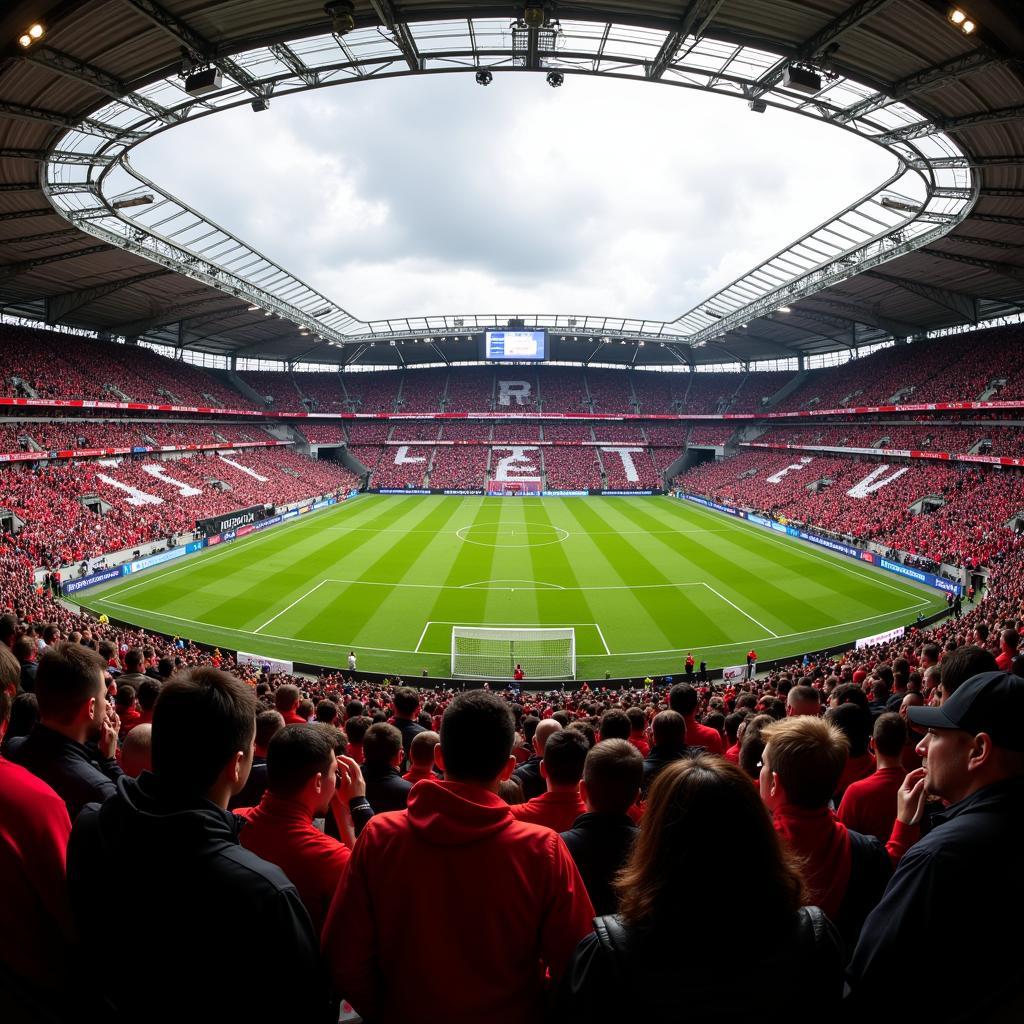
[(990, 702)]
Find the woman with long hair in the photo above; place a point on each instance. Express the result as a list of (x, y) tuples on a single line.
[(683, 946)]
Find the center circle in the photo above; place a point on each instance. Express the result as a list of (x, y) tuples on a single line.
[(512, 535)]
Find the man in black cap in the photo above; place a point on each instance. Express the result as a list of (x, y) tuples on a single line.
[(960, 888)]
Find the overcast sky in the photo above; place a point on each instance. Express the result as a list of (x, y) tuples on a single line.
[(433, 195)]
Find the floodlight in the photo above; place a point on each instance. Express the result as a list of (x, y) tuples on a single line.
[(25, 40), (253, 309), (758, 106), (36, 31), (260, 103), (957, 16), (785, 309), (967, 27), (484, 78), (343, 16), (556, 79), (202, 82), (534, 16), (141, 200)]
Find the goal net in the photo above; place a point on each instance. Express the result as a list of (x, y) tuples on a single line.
[(483, 652)]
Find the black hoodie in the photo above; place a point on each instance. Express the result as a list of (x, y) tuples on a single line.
[(214, 932)]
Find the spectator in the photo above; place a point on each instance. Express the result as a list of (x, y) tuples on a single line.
[(803, 700), (869, 805), (214, 898), (382, 754), (669, 730), (1009, 641), (702, 811), (268, 725), (421, 757), (961, 665), (24, 716), (355, 732), (683, 699), (562, 768), (286, 700), (137, 751), (73, 711), (600, 840), (855, 724), (302, 772), (615, 725), (26, 651), (638, 726), (845, 872), (125, 709), (528, 775), (406, 702), (962, 880), (35, 920), (508, 892), (146, 695), (134, 665)]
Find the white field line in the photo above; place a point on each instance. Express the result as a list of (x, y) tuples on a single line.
[(792, 545), (351, 645), (312, 590), (604, 643), (488, 585), (416, 649), (741, 611), (541, 587)]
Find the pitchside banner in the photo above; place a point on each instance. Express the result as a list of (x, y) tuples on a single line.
[(881, 638), (261, 662), (231, 521)]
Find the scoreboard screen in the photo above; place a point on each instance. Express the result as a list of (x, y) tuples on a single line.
[(513, 346)]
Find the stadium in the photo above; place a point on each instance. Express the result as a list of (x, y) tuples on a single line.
[(809, 480)]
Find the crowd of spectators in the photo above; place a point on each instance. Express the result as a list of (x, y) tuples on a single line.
[(648, 475), (423, 391), (711, 433), (562, 390), (387, 472), (571, 468), (56, 502), (462, 466), (321, 432), (963, 523), (466, 430)]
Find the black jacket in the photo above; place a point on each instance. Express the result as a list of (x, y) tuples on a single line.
[(254, 788), (208, 911), (658, 758), (599, 844), (77, 772), (530, 779), (385, 789), (408, 728), (961, 881), (620, 973)]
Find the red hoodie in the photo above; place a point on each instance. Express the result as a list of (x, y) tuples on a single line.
[(480, 903), (869, 805), (282, 832), (555, 810)]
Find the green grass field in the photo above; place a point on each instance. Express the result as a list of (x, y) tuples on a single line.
[(642, 581)]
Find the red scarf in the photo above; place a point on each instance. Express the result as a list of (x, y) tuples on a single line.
[(823, 845)]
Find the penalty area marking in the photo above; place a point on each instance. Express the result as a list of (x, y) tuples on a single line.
[(513, 625), (530, 585)]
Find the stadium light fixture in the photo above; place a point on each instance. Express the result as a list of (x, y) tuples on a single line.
[(33, 34), (959, 19), (123, 204), (785, 309), (260, 103), (534, 16), (484, 78), (758, 106), (252, 309), (343, 16), (556, 79)]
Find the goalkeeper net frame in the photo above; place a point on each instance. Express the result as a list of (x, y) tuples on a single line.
[(487, 652)]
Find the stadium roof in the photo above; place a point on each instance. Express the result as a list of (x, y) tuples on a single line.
[(937, 245)]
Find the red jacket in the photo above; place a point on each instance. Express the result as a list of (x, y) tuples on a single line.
[(555, 810), (293, 718), (415, 775), (480, 904), (869, 806), (698, 735), (35, 919), (281, 831), (856, 768), (638, 741)]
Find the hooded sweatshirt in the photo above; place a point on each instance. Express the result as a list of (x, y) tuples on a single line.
[(212, 913), (453, 910)]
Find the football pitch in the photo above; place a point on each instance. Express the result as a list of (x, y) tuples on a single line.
[(642, 581)]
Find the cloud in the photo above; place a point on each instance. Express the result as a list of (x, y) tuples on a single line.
[(429, 195)]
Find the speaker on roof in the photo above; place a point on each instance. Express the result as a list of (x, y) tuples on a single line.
[(802, 80), (202, 82)]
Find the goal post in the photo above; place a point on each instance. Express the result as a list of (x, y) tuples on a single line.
[(486, 652)]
